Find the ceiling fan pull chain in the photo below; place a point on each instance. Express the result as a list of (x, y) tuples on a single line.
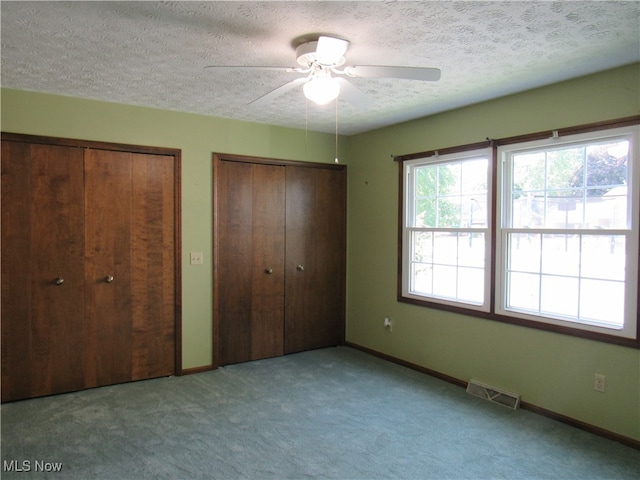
[(336, 131), (306, 127)]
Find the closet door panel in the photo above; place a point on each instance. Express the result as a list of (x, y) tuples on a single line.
[(57, 241), (108, 194), (16, 271), (250, 261), (234, 260), (267, 312), (315, 268), (42, 270), (153, 269)]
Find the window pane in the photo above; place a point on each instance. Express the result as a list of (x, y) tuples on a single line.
[(523, 291), (527, 210), (474, 211), (445, 250), (559, 296), (608, 210), (448, 212), (471, 249), (528, 172), (422, 247), (603, 256), (422, 279), (444, 281), (421, 260), (524, 252), (564, 168), (425, 181), (471, 284), (561, 254), (592, 306), (448, 178), (425, 209), (563, 209), (606, 166), (474, 176)]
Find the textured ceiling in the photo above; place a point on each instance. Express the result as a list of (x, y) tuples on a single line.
[(154, 53)]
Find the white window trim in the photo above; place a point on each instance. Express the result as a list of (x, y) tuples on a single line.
[(407, 230), (629, 330)]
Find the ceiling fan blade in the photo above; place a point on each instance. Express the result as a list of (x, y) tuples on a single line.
[(410, 73), (330, 50), (249, 67), (352, 94), (279, 91)]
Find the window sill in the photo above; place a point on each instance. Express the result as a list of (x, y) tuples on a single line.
[(574, 332)]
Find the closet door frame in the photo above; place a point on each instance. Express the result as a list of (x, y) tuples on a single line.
[(220, 157), (142, 149)]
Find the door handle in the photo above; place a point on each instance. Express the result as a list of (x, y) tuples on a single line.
[(59, 281), (108, 278), (268, 271), (300, 268)]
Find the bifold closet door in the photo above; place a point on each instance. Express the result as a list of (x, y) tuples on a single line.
[(130, 266), (88, 268), (109, 343), (154, 266), (315, 257), (250, 260), (43, 328)]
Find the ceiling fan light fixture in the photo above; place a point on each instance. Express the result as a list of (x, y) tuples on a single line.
[(321, 90)]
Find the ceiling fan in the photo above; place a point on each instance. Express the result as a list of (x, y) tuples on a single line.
[(322, 63)]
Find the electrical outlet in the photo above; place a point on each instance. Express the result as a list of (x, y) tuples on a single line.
[(196, 258), (598, 382), (388, 326)]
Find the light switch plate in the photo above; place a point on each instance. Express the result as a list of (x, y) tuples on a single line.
[(197, 258)]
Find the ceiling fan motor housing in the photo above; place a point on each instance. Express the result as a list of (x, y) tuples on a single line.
[(307, 57), (306, 53)]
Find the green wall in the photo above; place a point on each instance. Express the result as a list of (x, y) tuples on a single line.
[(198, 137), (549, 370)]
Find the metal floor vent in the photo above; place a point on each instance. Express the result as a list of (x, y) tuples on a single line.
[(493, 394)]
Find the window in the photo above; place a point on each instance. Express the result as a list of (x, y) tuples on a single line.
[(563, 253), (567, 238), (447, 230)]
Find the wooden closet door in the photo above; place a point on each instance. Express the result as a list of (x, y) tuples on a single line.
[(108, 267), (249, 261), (315, 257), (130, 266), (43, 330), (153, 273)]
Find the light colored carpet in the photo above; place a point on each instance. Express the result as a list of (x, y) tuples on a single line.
[(334, 413)]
